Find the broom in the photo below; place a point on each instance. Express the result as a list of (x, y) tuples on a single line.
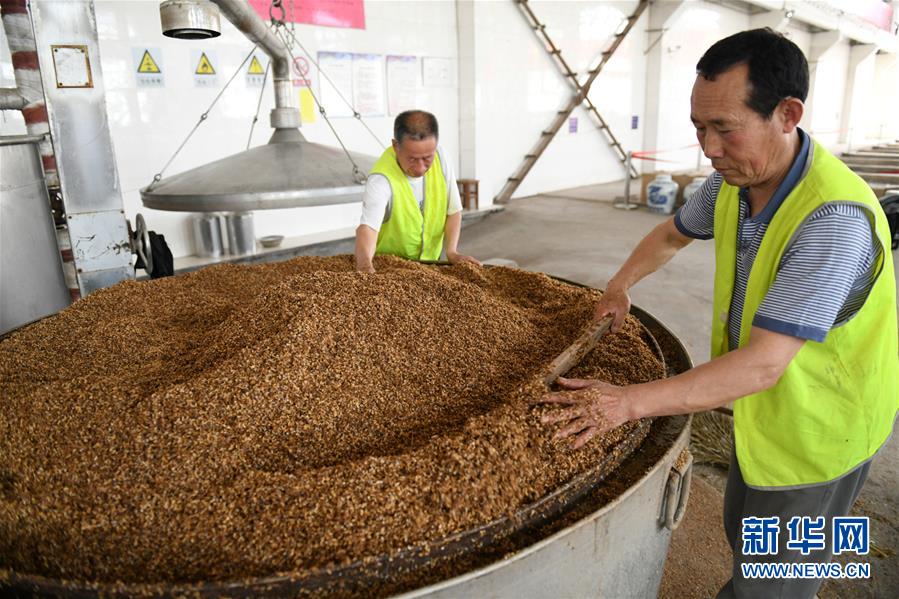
[(712, 438)]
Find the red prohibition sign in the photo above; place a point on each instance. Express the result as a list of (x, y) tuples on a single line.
[(301, 66)]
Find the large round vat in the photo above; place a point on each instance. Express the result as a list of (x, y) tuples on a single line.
[(615, 547), (605, 534), (617, 551)]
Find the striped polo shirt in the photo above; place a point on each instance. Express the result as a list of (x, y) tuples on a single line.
[(825, 273)]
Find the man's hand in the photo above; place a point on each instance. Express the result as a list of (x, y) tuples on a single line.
[(615, 303), (456, 258), (651, 253), (594, 407), (366, 240), (451, 239)]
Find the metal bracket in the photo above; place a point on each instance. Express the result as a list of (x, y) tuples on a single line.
[(677, 490), (140, 242), (99, 240)]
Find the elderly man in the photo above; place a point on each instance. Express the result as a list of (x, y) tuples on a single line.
[(804, 337), (411, 205)]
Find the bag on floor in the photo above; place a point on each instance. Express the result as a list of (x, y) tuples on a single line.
[(890, 204)]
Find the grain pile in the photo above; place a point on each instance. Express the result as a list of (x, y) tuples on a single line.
[(247, 420)]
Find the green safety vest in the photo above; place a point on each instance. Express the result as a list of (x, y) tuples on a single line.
[(835, 404), (408, 233)]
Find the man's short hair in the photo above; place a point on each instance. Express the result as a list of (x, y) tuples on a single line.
[(777, 67), (415, 125)]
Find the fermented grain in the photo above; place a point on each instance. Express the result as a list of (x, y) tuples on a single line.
[(246, 420)]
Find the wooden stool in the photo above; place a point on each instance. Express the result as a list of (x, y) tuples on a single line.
[(468, 190)]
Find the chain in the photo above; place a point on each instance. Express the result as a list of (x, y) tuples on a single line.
[(293, 24), (276, 5), (259, 104), (358, 175), (356, 114), (158, 176)]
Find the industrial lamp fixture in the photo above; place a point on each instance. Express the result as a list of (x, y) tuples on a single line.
[(190, 19)]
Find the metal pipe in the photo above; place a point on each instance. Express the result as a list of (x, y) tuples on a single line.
[(241, 15), (11, 99), (627, 176), (625, 202), (26, 70)]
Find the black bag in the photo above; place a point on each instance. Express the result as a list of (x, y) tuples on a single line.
[(163, 263), (890, 205)]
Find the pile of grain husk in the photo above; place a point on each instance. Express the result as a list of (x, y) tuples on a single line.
[(242, 421)]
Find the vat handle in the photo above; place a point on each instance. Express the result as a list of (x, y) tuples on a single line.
[(677, 490)]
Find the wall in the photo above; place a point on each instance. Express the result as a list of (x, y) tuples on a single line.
[(799, 36), (857, 114), (885, 98)]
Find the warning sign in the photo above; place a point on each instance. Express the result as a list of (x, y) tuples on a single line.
[(205, 74), (204, 67), (148, 66), (255, 73), (255, 67)]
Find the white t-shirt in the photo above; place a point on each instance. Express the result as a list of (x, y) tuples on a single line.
[(378, 197)]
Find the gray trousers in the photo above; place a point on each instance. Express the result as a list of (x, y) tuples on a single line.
[(828, 500)]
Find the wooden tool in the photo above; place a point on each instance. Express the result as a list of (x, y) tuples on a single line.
[(575, 352)]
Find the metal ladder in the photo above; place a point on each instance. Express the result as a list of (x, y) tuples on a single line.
[(579, 97)]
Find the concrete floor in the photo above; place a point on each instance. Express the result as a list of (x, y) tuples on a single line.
[(578, 235)]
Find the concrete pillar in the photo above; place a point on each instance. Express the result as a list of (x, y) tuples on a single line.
[(851, 119), (465, 19), (886, 97), (661, 16), (821, 43)]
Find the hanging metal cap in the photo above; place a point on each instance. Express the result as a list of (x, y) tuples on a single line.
[(276, 175), (190, 19)]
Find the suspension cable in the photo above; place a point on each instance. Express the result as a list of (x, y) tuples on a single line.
[(358, 175), (158, 176), (259, 104), (356, 113), (279, 26)]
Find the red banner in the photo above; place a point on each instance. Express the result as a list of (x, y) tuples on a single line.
[(330, 13)]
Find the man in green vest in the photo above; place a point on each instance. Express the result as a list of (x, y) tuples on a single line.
[(804, 334), (411, 206)]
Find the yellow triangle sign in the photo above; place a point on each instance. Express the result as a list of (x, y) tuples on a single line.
[(205, 67), (147, 64), (255, 68)]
